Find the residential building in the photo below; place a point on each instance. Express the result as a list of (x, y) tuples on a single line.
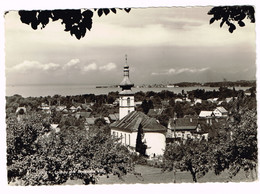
[(205, 113), (220, 112)]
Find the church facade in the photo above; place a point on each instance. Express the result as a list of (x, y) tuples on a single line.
[(126, 128)]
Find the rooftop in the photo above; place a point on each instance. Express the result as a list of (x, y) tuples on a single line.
[(132, 121)]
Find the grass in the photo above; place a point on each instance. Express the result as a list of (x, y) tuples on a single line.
[(155, 176)]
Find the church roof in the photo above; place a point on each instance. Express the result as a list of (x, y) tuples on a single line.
[(132, 121), (126, 82)]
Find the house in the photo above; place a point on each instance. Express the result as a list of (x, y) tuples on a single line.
[(197, 100), (89, 122), (86, 107), (138, 103), (212, 100), (213, 126), (220, 102), (113, 117), (45, 106), (229, 99), (107, 120), (155, 112), (247, 93), (205, 113), (83, 114), (60, 108), (184, 128), (187, 100), (154, 134), (73, 109), (178, 100), (220, 112), (116, 102)]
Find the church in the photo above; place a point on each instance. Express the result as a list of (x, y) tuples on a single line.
[(126, 128)]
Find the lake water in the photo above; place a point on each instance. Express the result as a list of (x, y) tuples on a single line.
[(69, 90)]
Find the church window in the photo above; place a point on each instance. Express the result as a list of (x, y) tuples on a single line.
[(128, 101)]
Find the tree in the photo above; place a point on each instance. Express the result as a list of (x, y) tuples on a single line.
[(190, 155), (99, 122), (231, 15), (239, 152), (172, 156), (140, 145), (77, 21), (146, 106), (40, 158)]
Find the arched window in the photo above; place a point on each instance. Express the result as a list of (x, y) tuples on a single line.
[(128, 101)]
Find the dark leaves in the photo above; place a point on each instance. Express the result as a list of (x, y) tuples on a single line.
[(113, 10), (77, 22), (231, 14), (106, 11), (232, 27), (100, 12), (221, 23), (212, 20), (127, 10), (241, 23)]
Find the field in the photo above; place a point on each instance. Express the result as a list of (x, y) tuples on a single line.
[(155, 175)]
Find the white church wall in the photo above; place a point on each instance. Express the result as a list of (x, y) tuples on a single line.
[(126, 138), (155, 142)]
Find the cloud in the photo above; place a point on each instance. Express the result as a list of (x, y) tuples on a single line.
[(72, 62), (173, 71), (108, 67), (90, 67), (28, 66)]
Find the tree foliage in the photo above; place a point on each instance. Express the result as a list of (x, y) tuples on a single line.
[(232, 15), (240, 151), (39, 157), (232, 150), (76, 21), (192, 156), (140, 145)]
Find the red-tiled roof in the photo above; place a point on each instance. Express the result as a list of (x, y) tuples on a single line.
[(132, 121)]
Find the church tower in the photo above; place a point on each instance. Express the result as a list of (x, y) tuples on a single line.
[(126, 96)]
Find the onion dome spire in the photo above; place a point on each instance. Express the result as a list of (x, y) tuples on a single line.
[(126, 84)]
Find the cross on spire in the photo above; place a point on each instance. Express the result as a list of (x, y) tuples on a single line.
[(126, 58)]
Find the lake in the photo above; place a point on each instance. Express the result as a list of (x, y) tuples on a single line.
[(70, 90)]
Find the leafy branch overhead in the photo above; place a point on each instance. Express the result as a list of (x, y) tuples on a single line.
[(77, 22), (232, 15)]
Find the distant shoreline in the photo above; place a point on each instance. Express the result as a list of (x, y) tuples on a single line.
[(68, 90), (239, 83)]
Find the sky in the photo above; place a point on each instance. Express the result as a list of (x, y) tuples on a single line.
[(163, 45)]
